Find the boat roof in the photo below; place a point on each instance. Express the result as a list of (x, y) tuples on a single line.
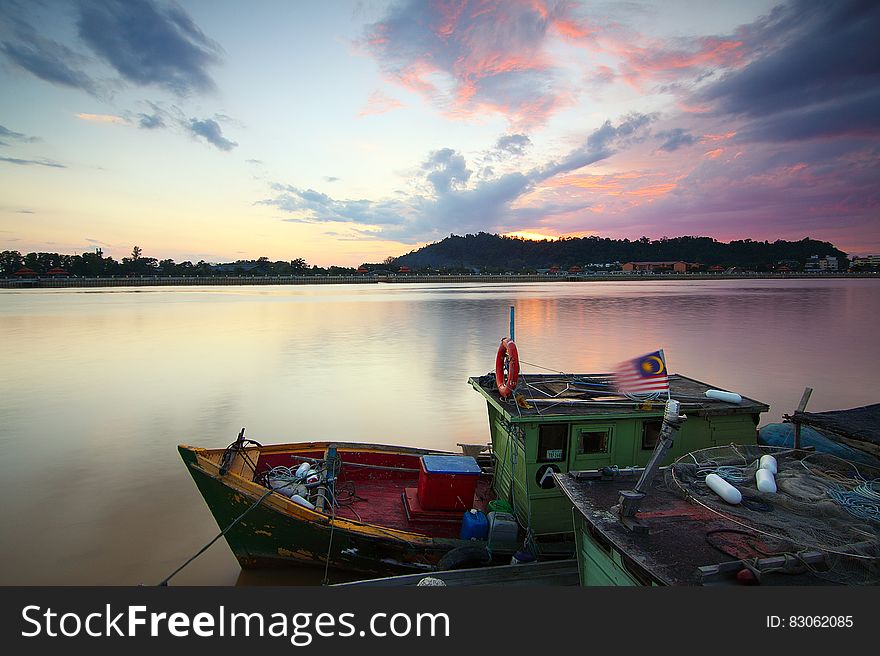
[(682, 532), (589, 396)]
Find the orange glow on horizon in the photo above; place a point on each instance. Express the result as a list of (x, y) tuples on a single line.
[(533, 236)]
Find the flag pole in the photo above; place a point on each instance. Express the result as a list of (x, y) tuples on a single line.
[(663, 357)]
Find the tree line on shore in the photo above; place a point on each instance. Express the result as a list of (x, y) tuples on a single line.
[(488, 251), (95, 265), (483, 252)]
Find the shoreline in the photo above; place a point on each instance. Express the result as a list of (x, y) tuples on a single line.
[(190, 281)]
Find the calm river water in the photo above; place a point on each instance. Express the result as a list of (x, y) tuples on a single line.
[(97, 387)]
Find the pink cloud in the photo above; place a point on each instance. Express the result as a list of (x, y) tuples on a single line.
[(379, 103), (660, 61), (493, 55)]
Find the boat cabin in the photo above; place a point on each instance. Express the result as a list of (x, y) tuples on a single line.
[(557, 423)]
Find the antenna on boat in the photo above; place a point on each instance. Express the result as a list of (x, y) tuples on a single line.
[(512, 322), (630, 499)]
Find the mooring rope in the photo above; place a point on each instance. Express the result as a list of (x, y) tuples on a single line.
[(235, 521)]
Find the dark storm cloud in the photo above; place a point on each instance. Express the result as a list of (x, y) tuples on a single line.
[(675, 139), (150, 121), (858, 115), (146, 42), (818, 77), (512, 145), (47, 59), (601, 144), (317, 207), (211, 132), (452, 206), (471, 209), (10, 135), (33, 162), (446, 169), (496, 54), (149, 44)]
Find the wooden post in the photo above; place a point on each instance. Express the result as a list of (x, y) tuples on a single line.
[(805, 398)]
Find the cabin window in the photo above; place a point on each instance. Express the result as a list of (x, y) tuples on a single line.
[(592, 441), (650, 434), (552, 442)]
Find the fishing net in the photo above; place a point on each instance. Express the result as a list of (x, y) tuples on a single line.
[(823, 503)]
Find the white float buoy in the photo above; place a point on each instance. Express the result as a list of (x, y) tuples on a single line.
[(765, 480), (720, 395), (769, 462), (296, 498), (723, 489)]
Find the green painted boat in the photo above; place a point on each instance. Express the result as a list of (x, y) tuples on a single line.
[(557, 423), (377, 527), (818, 524)]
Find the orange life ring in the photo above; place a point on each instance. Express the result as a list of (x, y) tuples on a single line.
[(507, 384)]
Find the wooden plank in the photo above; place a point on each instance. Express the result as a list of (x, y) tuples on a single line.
[(805, 398)]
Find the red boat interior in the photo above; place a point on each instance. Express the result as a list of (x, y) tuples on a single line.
[(381, 488)]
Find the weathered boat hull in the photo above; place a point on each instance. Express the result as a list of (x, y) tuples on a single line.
[(279, 533)]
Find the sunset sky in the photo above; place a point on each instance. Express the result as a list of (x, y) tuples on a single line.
[(345, 132)]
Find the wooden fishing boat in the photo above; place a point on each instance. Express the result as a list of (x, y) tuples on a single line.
[(382, 509), (818, 527), (380, 527), (376, 525)]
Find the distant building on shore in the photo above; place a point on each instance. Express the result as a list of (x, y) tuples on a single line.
[(827, 263), (866, 262), (678, 267)]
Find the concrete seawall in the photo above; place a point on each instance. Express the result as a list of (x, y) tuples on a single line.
[(180, 281)]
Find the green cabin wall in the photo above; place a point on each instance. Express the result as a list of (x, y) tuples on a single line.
[(598, 564), (549, 511)]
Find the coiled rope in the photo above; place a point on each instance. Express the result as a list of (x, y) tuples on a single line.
[(862, 501)]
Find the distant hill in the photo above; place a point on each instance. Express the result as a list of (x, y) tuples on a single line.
[(489, 251)]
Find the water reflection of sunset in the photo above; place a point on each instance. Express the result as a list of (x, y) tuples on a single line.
[(98, 388)]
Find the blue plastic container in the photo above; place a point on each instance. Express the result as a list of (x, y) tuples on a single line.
[(474, 525)]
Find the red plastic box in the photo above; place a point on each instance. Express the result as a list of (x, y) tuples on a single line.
[(447, 482)]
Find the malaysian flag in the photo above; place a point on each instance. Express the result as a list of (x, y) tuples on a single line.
[(644, 375)]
